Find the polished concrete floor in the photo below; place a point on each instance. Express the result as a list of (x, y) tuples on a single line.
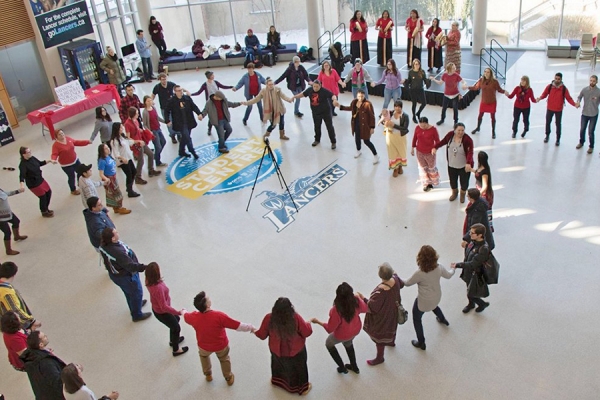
[(537, 340)]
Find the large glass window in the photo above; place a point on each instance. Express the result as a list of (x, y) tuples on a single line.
[(503, 21), (580, 16)]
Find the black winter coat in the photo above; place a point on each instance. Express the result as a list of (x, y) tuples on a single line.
[(476, 254), (177, 109), (43, 369), (291, 74), (477, 213)]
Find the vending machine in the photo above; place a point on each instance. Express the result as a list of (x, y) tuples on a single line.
[(80, 60)]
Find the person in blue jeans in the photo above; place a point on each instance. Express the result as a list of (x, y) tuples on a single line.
[(251, 82), (296, 76), (143, 49), (123, 269), (591, 100), (392, 79), (179, 114), (253, 46), (217, 108)]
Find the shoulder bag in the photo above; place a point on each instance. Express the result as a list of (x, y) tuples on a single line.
[(491, 270), (402, 313)]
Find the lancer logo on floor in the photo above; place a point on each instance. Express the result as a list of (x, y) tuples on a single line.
[(215, 173), (303, 191)]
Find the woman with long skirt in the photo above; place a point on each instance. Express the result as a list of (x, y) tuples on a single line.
[(416, 81), (385, 27), (287, 333), (381, 321), (395, 131), (414, 29), (488, 84), (359, 48), (425, 139), (434, 48), (107, 167), (30, 174), (453, 52)]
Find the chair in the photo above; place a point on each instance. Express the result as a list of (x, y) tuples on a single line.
[(586, 50)]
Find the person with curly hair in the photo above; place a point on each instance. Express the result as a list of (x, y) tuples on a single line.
[(427, 278)]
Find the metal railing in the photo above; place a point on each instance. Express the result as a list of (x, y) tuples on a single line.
[(340, 31), (497, 59), (323, 41)]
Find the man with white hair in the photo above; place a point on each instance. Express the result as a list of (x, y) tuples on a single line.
[(296, 76)]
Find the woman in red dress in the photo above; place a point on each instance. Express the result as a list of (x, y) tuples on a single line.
[(488, 85), (358, 37), (384, 41), (414, 29)]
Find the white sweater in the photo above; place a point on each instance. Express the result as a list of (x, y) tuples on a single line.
[(430, 291)]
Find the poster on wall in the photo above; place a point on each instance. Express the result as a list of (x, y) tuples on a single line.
[(61, 20), (6, 135)]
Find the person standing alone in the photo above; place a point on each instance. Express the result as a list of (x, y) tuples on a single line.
[(143, 49)]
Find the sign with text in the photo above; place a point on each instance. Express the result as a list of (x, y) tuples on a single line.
[(69, 93), (6, 135), (58, 23)]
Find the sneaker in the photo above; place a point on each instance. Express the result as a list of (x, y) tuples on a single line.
[(557, 143), (333, 146), (133, 194), (376, 159), (441, 121), (579, 145), (546, 139), (142, 317), (230, 380), (299, 115), (314, 143), (442, 321), (244, 122), (358, 153), (590, 150)]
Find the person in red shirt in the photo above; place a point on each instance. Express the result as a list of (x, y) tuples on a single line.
[(343, 325), (385, 26), (63, 151), (161, 307), (450, 79), (414, 29), (425, 140), (251, 82), (557, 93), (287, 333), (525, 96), (210, 327), (434, 47), (15, 339), (134, 132), (359, 48)]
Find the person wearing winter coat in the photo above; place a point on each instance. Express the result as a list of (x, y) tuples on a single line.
[(217, 109), (43, 368), (477, 212), (295, 76), (113, 66), (273, 108), (477, 253)]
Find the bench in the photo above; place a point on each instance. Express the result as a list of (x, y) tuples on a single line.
[(566, 48), (190, 61)]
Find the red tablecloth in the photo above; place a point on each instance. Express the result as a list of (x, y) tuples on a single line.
[(94, 97)]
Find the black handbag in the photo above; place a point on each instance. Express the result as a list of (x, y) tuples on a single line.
[(477, 286), (491, 269)]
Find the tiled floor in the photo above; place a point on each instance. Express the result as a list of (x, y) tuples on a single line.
[(537, 340)]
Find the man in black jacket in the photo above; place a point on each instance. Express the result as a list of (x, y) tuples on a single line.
[(179, 114), (123, 269), (43, 368), (477, 213)]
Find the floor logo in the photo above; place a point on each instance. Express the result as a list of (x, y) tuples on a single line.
[(303, 191), (215, 173)]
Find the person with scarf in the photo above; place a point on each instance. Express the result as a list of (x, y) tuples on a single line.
[(525, 97), (359, 78), (114, 68), (273, 107), (414, 29), (434, 48), (385, 26), (359, 48)]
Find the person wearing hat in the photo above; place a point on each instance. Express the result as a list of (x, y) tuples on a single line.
[(359, 78), (86, 184), (211, 86), (253, 46)]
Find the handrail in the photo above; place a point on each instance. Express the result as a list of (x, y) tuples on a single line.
[(341, 29), (495, 57), (320, 45)]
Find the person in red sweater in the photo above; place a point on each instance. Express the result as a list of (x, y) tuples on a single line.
[(15, 339), (343, 325), (287, 333), (557, 93), (425, 141), (63, 151), (133, 130), (488, 84), (210, 327), (450, 79), (359, 48), (523, 101), (161, 307)]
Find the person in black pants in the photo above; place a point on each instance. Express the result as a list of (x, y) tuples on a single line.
[(415, 81), (476, 254), (274, 43), (30, 174), (362, 122), (161, 307), (459, 154), (179, 114), (320, 105)]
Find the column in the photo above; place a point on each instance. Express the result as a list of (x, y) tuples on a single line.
[(144, 12), (313, 24), (479, 25)]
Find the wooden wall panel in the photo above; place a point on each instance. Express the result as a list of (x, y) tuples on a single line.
[(14, 22)]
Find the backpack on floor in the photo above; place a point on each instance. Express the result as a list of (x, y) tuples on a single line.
[(268, 59)]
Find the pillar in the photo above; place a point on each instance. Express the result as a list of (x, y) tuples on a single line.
[(479, 25), (144, 13), (313, 23)]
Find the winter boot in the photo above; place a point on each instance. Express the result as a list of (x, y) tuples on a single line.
[(462, 195), (474, 131), (454, 195), (338, 360), (282, 135), (352, 356)]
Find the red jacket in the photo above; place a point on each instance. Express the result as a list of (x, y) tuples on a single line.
[(556, 99), (523, 97)]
